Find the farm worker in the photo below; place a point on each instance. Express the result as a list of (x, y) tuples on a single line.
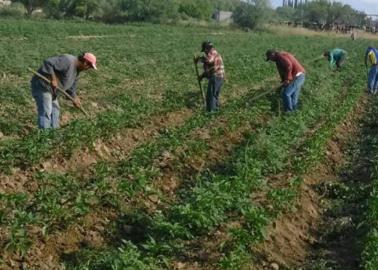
[(63, 71), (292, 76), (371, 59), (214, 72), (336, 57)]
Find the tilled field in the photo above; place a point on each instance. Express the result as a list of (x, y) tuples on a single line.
[(153, 182)]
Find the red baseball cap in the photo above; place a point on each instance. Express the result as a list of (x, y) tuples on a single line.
[(90, 58)]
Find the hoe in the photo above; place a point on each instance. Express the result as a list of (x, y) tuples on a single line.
[(59, 89)]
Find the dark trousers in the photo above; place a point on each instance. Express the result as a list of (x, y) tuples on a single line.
[(213, 90), (340, 61)]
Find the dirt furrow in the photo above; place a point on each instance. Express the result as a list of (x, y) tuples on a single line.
[(116, 148), (295, 240)]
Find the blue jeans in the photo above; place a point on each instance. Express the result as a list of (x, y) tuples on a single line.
[(47, 107), (373, 80), (213, 90), (290, 94)]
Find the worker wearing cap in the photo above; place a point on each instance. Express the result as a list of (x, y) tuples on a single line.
[(292, 76), (62, 71), (214, 72), (335, 57), (371, 60)]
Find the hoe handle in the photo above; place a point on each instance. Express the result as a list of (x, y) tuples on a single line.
[(39, 75), (199, 83)]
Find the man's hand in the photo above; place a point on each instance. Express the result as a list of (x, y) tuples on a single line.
[(285, 83), (200, 77), (197, 58), (76, 102), (54, 86), (54, 82)]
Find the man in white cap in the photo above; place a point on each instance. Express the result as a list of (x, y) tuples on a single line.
[(62, 71)]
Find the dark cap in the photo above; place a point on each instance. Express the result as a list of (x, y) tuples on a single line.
[(270, 53), (206, 45)]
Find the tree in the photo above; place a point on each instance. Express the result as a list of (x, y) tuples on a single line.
[(199, 9), (86, 8), (58, 8), (316, 11), (251, 13), (30, 5), (227, 5), (286, 13), (149, 10)]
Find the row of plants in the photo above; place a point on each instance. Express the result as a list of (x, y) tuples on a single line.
[(71, 196), (125, 62), (61, 199), (370, 243), (284, 199), (139, 167), (210, 201)]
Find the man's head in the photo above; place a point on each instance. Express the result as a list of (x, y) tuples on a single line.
[(326, 54), (271, 55), (206, 46), (87, 61)]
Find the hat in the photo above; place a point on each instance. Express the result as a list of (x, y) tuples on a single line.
[(90, 59), (206, 45), (269, 53)]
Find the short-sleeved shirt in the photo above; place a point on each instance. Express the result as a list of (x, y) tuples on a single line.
[(64, 67), (336, 55), (288, 66), (213, 64), (371, 56)]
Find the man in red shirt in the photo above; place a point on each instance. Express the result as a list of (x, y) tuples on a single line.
[(214, 72), (292, 77)]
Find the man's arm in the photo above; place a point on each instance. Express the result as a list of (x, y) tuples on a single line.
[(332, 61), (287, 68), (72, 91), (210, 58), (52, 65), (372, 57), (366, 57)]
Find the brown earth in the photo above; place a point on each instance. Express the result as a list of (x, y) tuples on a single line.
[(116, 148), (71, 239), (290, 239), (293, 237), (172, 177)]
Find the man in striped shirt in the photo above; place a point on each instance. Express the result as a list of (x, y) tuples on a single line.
[(214, 72), (371, 59), (292, 77)]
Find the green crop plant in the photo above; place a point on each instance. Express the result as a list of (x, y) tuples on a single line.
[(370, 223), (145, 73)]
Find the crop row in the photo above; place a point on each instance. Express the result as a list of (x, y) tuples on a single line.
[(61, 199), (370, 243), (209, 203)]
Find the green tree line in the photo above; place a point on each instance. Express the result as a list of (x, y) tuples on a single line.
[(322, 12), (128, 10), (246, 13)]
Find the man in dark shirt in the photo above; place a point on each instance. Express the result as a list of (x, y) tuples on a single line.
[(62, 71), (292, 76)]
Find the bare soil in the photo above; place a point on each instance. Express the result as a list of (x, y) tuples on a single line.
[(311, 237)]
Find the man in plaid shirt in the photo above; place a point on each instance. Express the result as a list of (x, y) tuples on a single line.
[(214, 72)]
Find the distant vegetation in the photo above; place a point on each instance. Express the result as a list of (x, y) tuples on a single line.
[(322, 12), (249, 13)]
